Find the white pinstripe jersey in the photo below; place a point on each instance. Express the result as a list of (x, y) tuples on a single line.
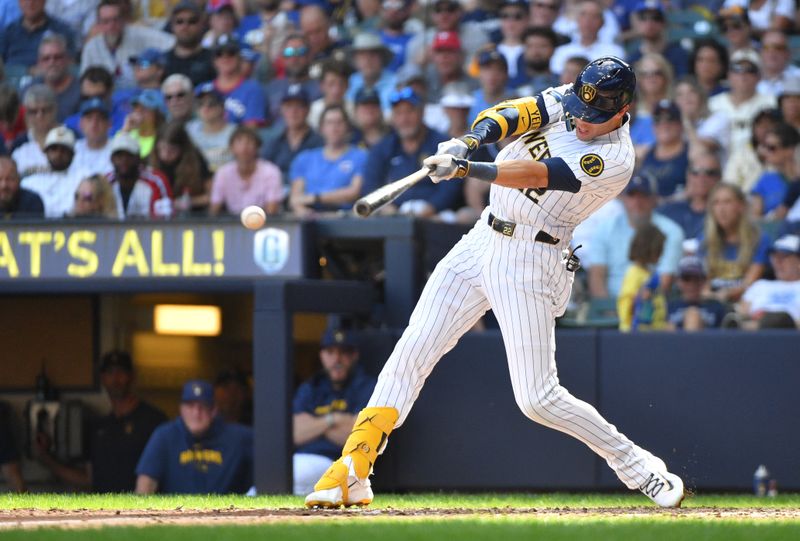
[(603, 166)]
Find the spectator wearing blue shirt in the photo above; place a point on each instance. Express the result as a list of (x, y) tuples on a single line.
[(703, 173), (734, 250), (395, 14), (295, 58), (650, 23), (330, 177), (401, 152), (296, 134), (690, 311), (607, 258), (97, 82), (245, 102), (199, 452), (19, 41), (325, 408), (668, 159), (370, 58), (493, 79), (780, 144)]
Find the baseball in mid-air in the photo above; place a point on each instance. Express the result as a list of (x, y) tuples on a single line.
[(253, 217)]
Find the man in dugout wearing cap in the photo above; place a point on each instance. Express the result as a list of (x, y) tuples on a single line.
[(115, 440), (199, 452), (325, 408)]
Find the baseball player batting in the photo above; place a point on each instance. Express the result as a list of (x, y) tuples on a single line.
[(573, 154)]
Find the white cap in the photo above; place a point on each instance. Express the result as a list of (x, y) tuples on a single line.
[(60, 135), (462, 101), (125, 141)]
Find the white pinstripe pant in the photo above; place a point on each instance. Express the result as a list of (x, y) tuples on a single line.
[(526, 286)]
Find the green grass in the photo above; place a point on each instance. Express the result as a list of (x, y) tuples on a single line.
[(395, 501), (355, 526)]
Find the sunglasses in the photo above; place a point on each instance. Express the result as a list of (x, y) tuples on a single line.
[(651, 16), (770, 147), (551, 7), (295, 51), (210, 102), (706, 172), (744, 68), (180, 21), (691, 278), (176, 96), (229, 52), (446, 9), (36, 111), (86, 197), (515, 15), (52, 57), (733, 25)]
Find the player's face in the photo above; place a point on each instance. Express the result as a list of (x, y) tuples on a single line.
[(116, 381), (338, 361), (197, 416), (586, 131)]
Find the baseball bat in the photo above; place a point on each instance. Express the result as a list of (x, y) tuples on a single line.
[(386, 194)]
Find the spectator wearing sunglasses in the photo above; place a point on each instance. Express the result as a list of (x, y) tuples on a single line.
[(776, 59), (447, 17), (650, 26), (543, 14), (188, 56), (148, 69), (780, 145), (703, 174), (587, 43), (178, 95), (513, 22), (742, 102), (767, 14), (292, 68), (245, 102), (94, 198), (735, 27)]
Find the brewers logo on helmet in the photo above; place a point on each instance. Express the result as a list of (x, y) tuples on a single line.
[(601, 90)]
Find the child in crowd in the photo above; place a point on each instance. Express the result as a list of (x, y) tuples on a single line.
[(641, 304)]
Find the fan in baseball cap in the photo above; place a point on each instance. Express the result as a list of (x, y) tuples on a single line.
[(642, 183), (601, 90), (60, 136), (147, 58), (405, 94), (786, 244), (198, 390)]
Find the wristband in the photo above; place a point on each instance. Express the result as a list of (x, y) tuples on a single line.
[(485, 171), (471, 141)]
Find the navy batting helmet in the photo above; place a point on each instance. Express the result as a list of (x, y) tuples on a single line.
[(604, 87)]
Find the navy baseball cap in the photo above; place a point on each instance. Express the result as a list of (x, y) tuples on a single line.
[(492, 57), (198, 390), (186, 5), (227, 42), (148, 57), (208, 89), (406, 94), (691, 265), (295, 92), (116, 359), (94, 104), (786, 244), (367, 95), (666, 110), (337, 337), (643, 183)]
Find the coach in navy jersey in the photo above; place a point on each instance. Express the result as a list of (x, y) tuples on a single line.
[(197, 453), (325, 408)]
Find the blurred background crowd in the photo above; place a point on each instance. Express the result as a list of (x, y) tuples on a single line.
[(159, 109)]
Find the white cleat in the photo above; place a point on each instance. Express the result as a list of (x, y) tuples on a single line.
[(333, 492), (664, 488)]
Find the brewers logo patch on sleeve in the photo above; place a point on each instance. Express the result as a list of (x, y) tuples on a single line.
[(592, 165)]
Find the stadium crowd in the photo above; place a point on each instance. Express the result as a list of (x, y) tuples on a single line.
[(125, 109)]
